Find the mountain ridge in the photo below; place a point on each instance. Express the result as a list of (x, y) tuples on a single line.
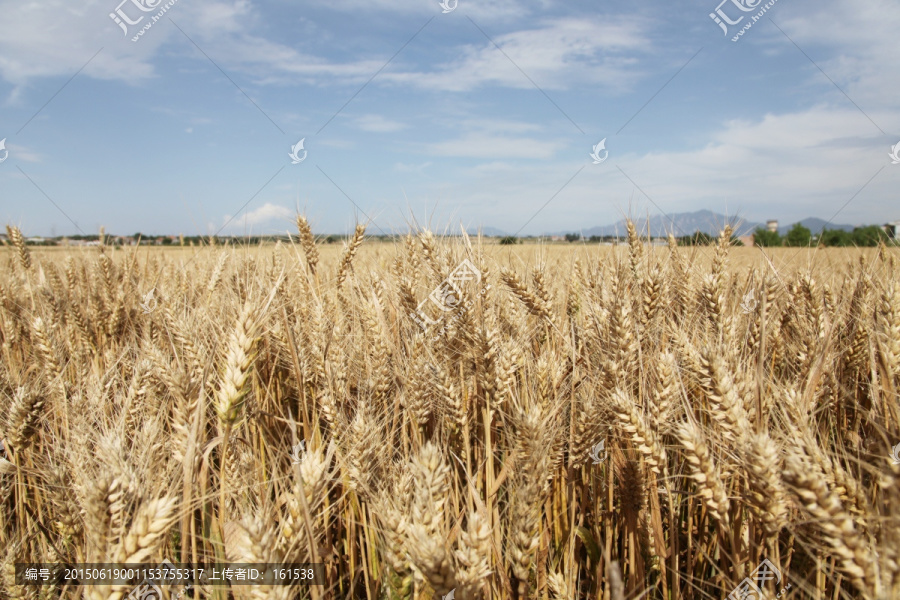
[(681, 224)]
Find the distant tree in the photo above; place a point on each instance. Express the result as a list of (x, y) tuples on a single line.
[(766, 238), (835, 237), (166, 241), (572, 237), (330, 239), (699, 238), (509, 240), (870, 235), (798, 236)]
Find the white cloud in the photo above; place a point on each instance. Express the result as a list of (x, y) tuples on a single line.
[(496, 166), (786, 166), (855, 45), (484, 9), (378, 124), (56, 38), (478, 145), (806, 158), (340, 144), (53, 38), (498, 126), (19, 153), (555, 55), (265, 214), (496, 139), (401, 167)]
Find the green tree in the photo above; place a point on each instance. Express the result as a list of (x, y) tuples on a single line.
[(698, 239), (764, 237), (798, 236), (869, 235), (572, 237), (835, 237), (508, 240)]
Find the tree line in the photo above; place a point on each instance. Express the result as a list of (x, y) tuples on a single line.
[(799, 236)]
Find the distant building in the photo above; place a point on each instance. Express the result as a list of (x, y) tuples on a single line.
[(772, 225), (747, 240), (891, 229)]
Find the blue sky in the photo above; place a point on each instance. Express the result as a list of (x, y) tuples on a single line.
[(485, 115)]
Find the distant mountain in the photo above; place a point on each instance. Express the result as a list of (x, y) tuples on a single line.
[(815, 225), (679, 224), (486, 231), (706, 221)]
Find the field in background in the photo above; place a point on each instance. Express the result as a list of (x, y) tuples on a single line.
[(791, 259), (560, 421)]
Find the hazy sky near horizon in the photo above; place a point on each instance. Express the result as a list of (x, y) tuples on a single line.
[(484, 115)]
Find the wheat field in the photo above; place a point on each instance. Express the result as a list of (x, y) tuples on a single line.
[(566, 422)]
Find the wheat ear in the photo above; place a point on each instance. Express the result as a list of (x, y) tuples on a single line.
[(349, 253), (309, 243), (838, 528), (18, 241), (704, 472)]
